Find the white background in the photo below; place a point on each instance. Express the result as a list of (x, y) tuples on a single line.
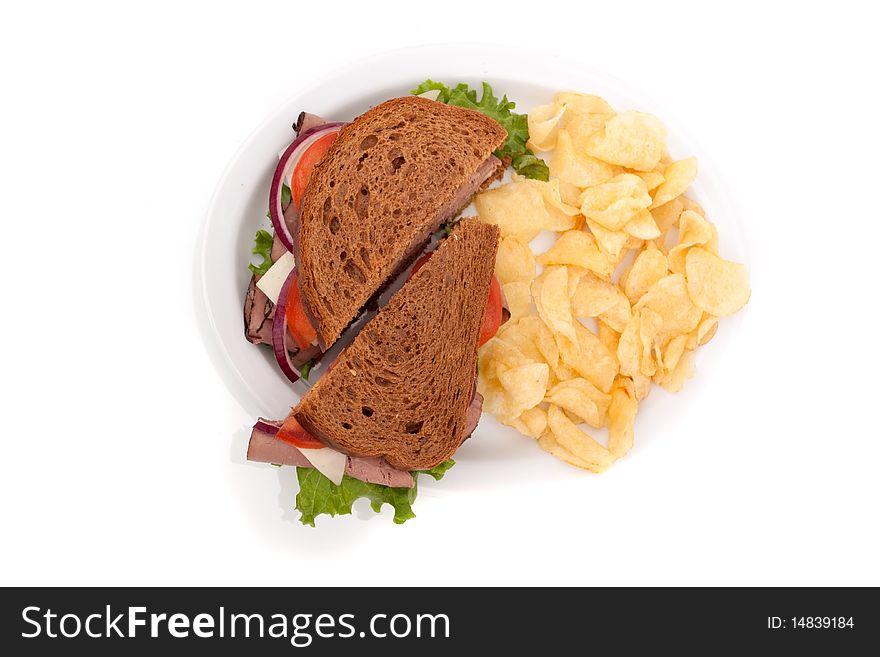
[(121, 455)]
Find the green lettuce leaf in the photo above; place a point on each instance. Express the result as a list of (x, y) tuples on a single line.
[(262, 248), (318, 495), (439, 470), (523, 160), (285, 194)]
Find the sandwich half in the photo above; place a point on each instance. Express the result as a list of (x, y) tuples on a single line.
[(391, 179), (403, 390)]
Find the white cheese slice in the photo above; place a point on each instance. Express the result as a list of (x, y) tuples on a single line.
[(328, 462), (431, 94), (273, 280)]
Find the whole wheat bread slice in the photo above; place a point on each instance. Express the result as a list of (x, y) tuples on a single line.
[(401, 390), (386, 184)]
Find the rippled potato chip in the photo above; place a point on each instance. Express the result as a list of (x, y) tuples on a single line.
[(669, 298), (575, 247), (582, 445), (716, 285), (577, 168), (648, 267), (515, 261), (678, 176), (614, 203), (634, 140)]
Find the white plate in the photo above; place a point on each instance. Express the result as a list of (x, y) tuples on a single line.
[(240, 202)]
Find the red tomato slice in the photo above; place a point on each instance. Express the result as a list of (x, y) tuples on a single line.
[(420, 262), (307, 161), (492, 316), (292, 432), (297, 323)]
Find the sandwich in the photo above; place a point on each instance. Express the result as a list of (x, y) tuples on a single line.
[(352, 206), (401, 398)]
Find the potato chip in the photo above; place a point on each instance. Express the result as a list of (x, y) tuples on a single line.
[(524, 385), (611, 242), (613, 203), (618, 315), (677, 178), (631, 139), (641, 385), (589, 358), (544, 125), (718, 286), (693, 230), (629, 347), (608, 336), (516, 208), (533, 339), (692, 205), (518, 297), (666, 216), (583, 105), (672, 352), (552, 300), (642, 226), (498, 355), (650, 325), (674, 381), (582, 399), (670, 299), (560, 215), (515, 261), (621, 417), (577, 442), (648, 267), (592, 296), (532, 422), (575, 247), (653, 179), (706, 330), (569, 194), (548, 443), (576, 168)]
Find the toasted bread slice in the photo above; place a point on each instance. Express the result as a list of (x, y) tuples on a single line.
[(401, 390), (385, 185)]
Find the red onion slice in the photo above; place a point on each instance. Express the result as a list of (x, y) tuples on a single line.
[(265, 427), (288, 160), (279, 330)]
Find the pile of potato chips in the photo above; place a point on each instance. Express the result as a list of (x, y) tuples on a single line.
[(633, 257)]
